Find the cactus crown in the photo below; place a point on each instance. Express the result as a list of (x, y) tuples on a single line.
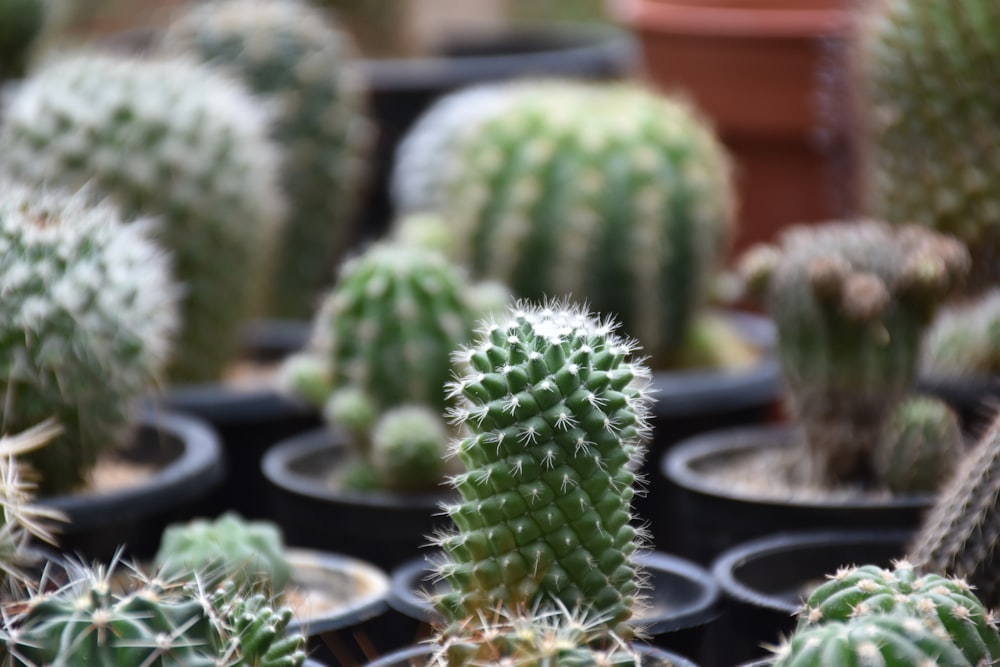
[(556, 411), (170, 139), (86, 324)]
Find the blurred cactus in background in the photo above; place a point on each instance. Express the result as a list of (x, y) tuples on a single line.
[(21, 22), (964, 339)]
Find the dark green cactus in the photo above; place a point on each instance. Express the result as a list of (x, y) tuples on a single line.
[(170, 140), (556, 409), (919, 447), (934, 120), (851, 301), (964, 339), (21, 21), (149, 622), (627, 206), (299, 61), (228, 548)]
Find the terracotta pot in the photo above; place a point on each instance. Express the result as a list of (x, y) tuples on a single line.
[(771, 76)]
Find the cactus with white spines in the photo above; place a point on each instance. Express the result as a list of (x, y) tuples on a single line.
[(606, 193), (174, 140), (851, 301), (86, 323), (964, 339), (298, 59), (555, 408)]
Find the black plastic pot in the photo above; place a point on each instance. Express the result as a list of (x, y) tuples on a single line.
[(381, 527), (402, 89), (694, 401), (976, 400), (709, 518), (684, 602), (248, 420), (188, 466), (765, 581), (416, 656)]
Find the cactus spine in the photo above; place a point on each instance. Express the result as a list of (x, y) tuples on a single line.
[(934, 120), (297, 59), (556, 411), (86, 322), (172, 140), (628, 206), (851, 301)]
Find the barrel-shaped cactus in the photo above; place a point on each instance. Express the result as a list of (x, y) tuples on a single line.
[(851, 301), (919, 447), (606, 193), (21, 21), (934, 120), (86, 321), (556, 410), (170, 139), (299, 61)]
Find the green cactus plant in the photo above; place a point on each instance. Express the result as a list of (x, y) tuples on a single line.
[(297, 59), (850, 301), (172, 140), (628, 206), (556, 409), (964, 339), (249, 553), (21, 22), (86, 322), (150, 622), (933, 120), (919, 447)]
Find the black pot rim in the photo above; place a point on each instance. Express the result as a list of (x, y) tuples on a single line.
[(575, 47), (276, 468), (406, 598), (677, 465), (725, 565), (193, 474)]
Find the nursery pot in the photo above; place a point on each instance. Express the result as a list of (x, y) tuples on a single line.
[(417, 656), (765, 580), (683, 597), (249, 417), (187, 464), (382, 527), (711, 516)]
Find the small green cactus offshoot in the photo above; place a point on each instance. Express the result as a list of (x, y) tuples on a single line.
[(86, 324), (556, 410), (850, 301), (919, 447), (249, 553), (964, 339), (21, 21), (299, 61), (172, 140)]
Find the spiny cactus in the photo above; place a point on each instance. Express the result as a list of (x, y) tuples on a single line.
[(850, 301), (556, 410), (299, 61), (86, 321), (149, 622), (919, 447), (406, 448), (228, 548), (960, 535), (170, 139), (21, 21), (903, 616), (607, 193), (934, 120), (964, 339)]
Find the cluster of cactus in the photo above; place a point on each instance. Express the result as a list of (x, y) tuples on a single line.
[(150, 622), (21, 22), (296, 59), (172, 140), (86, 321), (627, 206), (251, 554), (896, 617), (964, 339), (380, 357), (556, 410), (851, 301), (933, 116)]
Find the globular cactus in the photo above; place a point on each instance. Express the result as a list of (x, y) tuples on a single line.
[(21, 21), (298, 60), (86, 324), (933, 117), (964, 339), (850, 301), (251, 554), (139, 620), (170, 139), (606, 193), (960, 534), (899, 614), (919, 447), (556, 409), (406, 448)]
